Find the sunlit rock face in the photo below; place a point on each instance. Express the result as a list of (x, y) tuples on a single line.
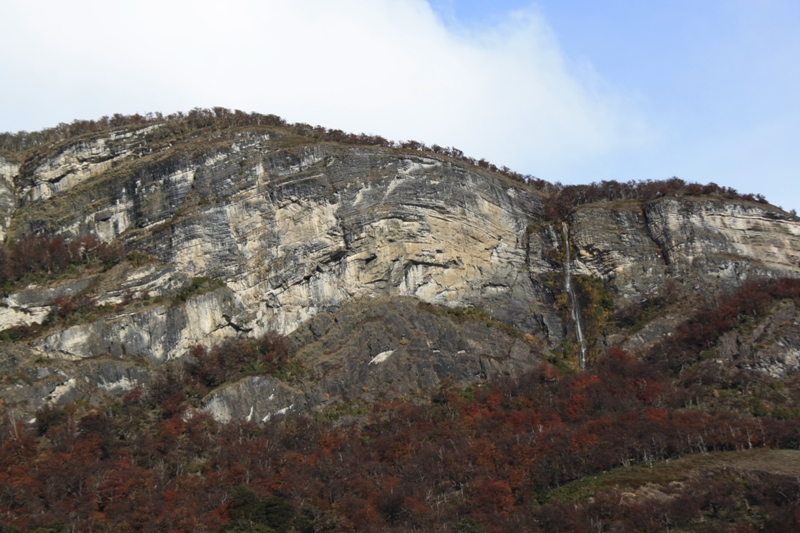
[(295, 232), (8, 173), (68, 166), (157, 334), (708, 242), (292, 229)]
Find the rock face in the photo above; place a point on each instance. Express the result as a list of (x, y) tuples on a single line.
[(379, 349), (707, 241), (8, 174), (296, 229), (156, 334), (770, 346), (78, 162)]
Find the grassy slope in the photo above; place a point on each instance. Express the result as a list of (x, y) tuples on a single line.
[(661, 474)]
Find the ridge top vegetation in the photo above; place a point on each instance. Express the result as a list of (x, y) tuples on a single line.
[(560, 198)]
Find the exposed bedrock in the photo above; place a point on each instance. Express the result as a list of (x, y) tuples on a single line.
[(293, 230)]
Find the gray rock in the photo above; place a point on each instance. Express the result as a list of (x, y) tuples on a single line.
[(378, 349), (303, 233)]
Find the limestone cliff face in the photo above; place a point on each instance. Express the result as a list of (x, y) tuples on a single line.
[(704, 241), (159, 333), (8, 174), (75, 163), (718, 239), (296, 229)]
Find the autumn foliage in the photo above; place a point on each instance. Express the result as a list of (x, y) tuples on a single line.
[(34, 255), (210, 368), (719, 315), (488, 458)]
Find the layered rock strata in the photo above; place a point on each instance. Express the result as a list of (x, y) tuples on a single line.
[(294, 229)]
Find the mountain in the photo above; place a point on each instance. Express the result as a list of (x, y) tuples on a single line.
[(282, 269), (295, 233)]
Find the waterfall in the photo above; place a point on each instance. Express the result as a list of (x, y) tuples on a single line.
[(573, 298)]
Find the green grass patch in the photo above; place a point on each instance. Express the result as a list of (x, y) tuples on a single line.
[(460, 315), (621, 478), (343, 409), (199, 285), (784, 462)]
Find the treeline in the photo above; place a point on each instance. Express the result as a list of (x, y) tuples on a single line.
[(222, 118), (563, 198), (178, 123), (559, 198), (485, 458)]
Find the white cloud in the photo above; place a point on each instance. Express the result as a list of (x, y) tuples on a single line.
[(389, 67)]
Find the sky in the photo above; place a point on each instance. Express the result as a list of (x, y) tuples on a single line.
[(566, 90)]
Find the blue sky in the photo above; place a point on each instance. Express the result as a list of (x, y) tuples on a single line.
[(717, 80), (572, 91)]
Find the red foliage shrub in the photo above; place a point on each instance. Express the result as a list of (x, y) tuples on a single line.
[(710, 322), (31, 255), (212, 368)]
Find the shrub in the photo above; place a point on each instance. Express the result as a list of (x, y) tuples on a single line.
[(39, 256), (724, 313), (199, 285), (211, 368)]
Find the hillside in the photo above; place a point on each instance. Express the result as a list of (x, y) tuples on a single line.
[(478, 337)]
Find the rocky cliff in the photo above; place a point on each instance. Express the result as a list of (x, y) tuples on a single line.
[(355, 252)]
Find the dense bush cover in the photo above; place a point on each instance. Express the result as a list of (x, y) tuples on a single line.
[(210, 368), (35, 255), (483, 458)]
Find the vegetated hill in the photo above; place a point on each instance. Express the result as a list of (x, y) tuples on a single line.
[(281, 326)]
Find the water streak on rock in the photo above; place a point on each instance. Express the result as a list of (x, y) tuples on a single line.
[(576, 306)]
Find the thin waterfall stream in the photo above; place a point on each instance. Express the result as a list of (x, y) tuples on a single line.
[(573, 298)]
